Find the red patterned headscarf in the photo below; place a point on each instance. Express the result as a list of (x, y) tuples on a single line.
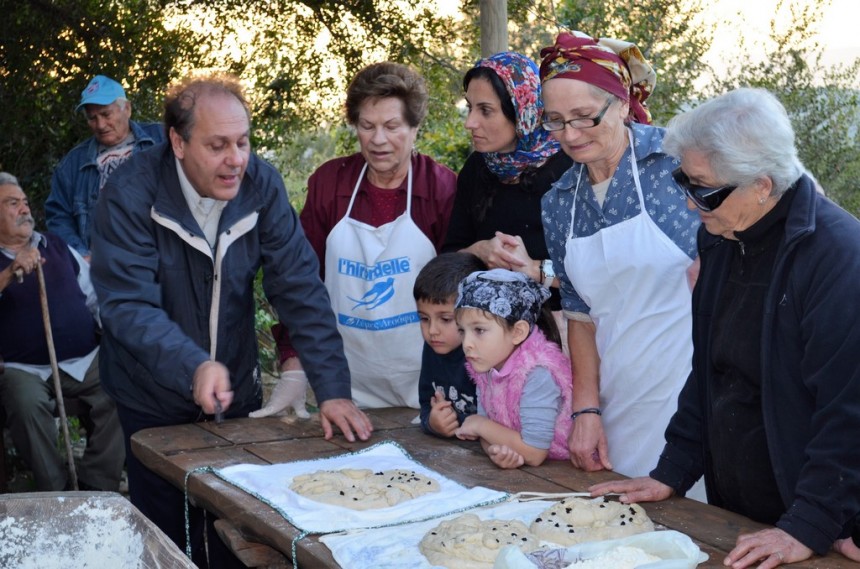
[(616, 66)]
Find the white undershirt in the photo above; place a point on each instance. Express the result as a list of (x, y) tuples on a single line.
[(600, 190)]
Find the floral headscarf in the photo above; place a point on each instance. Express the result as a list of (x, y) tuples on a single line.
[(615, 66), (534, 145), (503, 293)]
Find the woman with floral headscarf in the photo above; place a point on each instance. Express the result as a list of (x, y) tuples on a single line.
[(622, 241), (496, 211)]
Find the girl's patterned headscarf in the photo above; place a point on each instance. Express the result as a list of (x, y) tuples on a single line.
[(615, 66), (534, 145), (506, 294)]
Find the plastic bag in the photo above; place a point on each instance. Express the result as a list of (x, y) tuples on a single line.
[(676, 550)]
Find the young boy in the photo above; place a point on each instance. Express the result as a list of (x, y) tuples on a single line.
[(445, 391)]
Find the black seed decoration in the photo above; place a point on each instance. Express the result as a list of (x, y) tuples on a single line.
[(632, 512), (525, 539), (557, 525), (602, 505), (341, 493), (624, 523), (568, 510), (570, 531), (539, 520)]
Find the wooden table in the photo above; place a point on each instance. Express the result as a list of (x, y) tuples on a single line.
[(174, 451)]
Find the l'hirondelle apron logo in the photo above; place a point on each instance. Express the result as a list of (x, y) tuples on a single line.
[(377, 295), (396, 266)]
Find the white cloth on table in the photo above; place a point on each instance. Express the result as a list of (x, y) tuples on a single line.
[(271, 484), (387, 549)]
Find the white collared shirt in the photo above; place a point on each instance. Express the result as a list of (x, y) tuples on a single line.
[(206, 211)]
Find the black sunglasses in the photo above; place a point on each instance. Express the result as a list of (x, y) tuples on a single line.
[(705, 198)]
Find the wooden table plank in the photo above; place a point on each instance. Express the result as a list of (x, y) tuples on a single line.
[(174, 451)]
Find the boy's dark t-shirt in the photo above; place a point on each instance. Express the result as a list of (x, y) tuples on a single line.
[(446, 373)]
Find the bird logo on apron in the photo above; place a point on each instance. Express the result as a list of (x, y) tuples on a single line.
[(370, 272)]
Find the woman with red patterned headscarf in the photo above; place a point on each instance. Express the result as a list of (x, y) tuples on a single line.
[(622, 240)]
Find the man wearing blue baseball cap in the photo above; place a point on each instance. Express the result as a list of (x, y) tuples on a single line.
[(82, 173)]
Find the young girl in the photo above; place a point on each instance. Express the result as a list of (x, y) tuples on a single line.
[(523, 380)]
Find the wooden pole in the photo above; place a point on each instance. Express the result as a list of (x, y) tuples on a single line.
[(58, 389), (494, 27)]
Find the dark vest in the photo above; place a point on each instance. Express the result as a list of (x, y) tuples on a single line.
[(22, 329)]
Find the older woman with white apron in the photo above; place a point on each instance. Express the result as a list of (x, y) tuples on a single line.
[(369, 274), (618, 229), (374, 218)]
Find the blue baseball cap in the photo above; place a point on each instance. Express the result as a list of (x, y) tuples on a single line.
[(101, 90)]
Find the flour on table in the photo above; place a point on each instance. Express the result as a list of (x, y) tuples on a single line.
[(363, 489), (90, 537), (621, 557), (467, 542), (578, 520)]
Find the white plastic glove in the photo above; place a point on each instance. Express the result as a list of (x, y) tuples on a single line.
[(291, 391)]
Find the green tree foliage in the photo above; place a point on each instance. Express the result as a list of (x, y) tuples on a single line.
[(299, 56), (823, 102), (49, 51), (665, 31)]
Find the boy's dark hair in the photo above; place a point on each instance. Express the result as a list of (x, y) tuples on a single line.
[(437, 282)]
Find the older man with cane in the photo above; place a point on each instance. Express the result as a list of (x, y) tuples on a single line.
[(27, 395)]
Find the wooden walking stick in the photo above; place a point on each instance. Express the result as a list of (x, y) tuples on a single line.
[(58, 390)]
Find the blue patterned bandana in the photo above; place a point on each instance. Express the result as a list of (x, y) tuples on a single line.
[(503, 293), (534, 144)]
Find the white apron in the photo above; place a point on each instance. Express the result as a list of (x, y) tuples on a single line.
[(634, 279), (369, 274)]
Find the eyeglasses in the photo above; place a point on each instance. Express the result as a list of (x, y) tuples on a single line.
[(705, 198), (557, 124)]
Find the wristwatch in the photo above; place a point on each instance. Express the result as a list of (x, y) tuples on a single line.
[(547, 273)]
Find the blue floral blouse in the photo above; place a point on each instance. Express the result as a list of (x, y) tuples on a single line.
[(665, 202)]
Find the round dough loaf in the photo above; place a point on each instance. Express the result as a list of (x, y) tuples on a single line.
[(467, 542), (363, 489), (577, 520)]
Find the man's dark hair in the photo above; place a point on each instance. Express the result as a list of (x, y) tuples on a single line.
[(437, 282)]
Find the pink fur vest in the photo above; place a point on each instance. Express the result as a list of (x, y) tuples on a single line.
[(500, 396)]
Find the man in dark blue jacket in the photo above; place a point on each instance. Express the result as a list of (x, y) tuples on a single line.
[(180, 232), (82, 173)]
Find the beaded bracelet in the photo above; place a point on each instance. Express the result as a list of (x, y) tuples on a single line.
[(594, 410)]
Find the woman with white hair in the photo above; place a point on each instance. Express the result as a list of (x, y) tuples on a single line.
[(770, 411)]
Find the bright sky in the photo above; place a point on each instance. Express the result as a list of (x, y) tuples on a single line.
[(838, 33)]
